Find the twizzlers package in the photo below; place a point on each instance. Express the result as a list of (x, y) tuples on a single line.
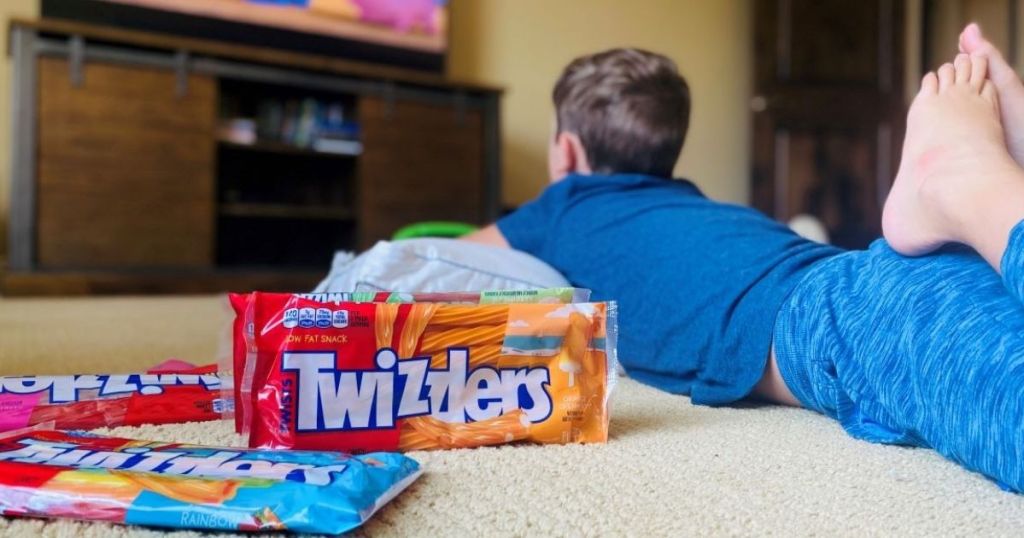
[(56, 474), (309, 318), (384, 376), (171, 392)]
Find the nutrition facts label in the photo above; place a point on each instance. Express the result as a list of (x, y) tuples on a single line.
[(318, 318)]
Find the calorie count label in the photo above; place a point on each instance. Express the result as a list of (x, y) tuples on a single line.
[(320, 318)]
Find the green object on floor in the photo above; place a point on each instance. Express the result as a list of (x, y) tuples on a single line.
[(435, 228)]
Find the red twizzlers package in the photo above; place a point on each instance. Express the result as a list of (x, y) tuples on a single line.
[(171, 392), (360, 377), (245, 311)]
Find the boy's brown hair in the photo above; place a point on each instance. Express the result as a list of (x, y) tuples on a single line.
[(630, 108)]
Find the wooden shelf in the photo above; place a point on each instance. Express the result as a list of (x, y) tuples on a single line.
[(430, 152), (286, 211), (281, 148), (158, 281)]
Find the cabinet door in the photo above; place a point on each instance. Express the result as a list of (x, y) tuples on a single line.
[(125, 168), (420, 162), (828, 117)]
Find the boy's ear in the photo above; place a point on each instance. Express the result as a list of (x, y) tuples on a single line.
[(568, 156)]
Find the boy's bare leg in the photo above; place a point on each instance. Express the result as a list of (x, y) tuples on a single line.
[(956, 182), (771, 387)]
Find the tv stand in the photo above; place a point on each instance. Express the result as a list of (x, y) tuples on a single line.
[(126, 180)]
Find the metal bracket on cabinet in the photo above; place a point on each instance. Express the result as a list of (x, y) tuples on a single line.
[(460, 108), (76, 60), (389, 99), (181, 65), (21, 253)]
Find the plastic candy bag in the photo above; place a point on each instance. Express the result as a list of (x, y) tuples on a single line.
[(171, 392), (240, 302), (53, 474), (378, 376)]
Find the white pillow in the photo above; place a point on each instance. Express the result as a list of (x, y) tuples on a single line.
[(431, 264)]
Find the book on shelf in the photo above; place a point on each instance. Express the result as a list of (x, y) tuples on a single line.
[(338, 146)]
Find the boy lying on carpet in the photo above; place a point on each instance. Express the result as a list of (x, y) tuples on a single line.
[(719, 302)]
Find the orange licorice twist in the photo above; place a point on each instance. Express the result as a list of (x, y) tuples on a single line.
[(472, 316), (478, 355), (384, 323), (430, 433), (437, 339), (420, 315)]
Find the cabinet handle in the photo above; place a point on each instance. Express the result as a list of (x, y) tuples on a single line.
[(181, 61), (460, 108), (389, 99), (76, 60)]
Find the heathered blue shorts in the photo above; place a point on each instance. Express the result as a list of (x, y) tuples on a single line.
[(925, 351)]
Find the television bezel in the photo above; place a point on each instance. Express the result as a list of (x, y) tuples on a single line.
[(126, 16)]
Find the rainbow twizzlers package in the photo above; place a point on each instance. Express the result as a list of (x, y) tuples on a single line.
[(54, 474)]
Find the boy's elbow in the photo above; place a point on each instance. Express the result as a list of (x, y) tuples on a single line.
[(489, 235)]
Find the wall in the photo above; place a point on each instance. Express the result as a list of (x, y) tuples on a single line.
[(523, 45), (8, 9)]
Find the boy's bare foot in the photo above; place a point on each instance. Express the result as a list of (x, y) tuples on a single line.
[(954, 162), (1008, 86)]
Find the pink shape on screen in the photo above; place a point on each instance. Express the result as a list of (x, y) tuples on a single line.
[(402, 15)]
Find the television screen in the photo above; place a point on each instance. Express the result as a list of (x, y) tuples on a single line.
[(410, 33)]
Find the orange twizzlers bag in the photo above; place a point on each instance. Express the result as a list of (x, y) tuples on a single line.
[(364, 377)]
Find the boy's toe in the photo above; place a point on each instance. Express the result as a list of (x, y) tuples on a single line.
[(970, 38), (947, 76), (962, 69), (929, 84), (988, 91), (979, 69), (998, 70)]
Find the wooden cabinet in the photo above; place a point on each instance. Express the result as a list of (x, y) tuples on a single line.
[(125, 168), (124, 181), (421, 162)]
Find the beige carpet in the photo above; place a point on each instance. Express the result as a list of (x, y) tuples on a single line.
[(669, 469)]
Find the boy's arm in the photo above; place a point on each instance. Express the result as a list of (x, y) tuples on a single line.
[(490, 235), (529, 228)]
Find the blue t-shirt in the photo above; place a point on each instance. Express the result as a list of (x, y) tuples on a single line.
[(698, 282)]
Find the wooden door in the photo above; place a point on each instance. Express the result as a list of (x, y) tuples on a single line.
[(125, 168), (420, 162), (828, 111)]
